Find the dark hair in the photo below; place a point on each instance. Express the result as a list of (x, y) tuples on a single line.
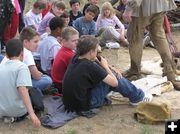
[(39, 4), (86, 43), (28, 33), (71, 2), (14, 47), (65, 14), (93, 9), (67, 32), (55, 23)]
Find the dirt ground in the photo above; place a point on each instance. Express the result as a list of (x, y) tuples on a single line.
[(114, 119)]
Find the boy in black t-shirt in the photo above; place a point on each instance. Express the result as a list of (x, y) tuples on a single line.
[(88, 80)]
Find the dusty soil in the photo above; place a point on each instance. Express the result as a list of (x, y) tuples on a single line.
[(114, 119)]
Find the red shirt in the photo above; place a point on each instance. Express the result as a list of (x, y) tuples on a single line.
[(46, 10), (60, 64)]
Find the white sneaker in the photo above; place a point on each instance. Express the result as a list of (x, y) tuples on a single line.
[(147, 98), (112, 45), (8, 119)]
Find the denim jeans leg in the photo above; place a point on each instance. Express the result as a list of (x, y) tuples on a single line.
[(43, 83), (98, 95), (0, 46), (1, 57), (127, 89)]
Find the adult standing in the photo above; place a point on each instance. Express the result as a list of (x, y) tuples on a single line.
[(143, 13), (21, 18)]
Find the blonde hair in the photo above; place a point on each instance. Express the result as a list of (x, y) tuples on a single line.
[(67, 32), (105, 6)]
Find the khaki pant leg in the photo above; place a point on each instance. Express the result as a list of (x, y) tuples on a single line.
[(110, 34), (158, 37), (135, 37)]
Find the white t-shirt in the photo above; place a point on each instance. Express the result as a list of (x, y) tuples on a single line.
[(32, 19), (28, 58), (13, 75)]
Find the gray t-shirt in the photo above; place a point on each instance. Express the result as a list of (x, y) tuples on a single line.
[(13, 74)]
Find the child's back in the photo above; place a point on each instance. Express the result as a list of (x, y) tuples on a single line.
[(13, 74)]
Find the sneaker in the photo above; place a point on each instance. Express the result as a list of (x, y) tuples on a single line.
[(8, 119), (147, 98), (112, 45), (146, 41)]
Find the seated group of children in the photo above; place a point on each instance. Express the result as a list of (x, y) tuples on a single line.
[(68, 62)]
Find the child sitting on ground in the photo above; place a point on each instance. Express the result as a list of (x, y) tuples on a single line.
[(57, 9), (66, 18), (92, 2), (30, 39), (75, 11), (15, 78), (34, 16), (69, 41), (85, 25), (88, 80), (49, 46), (106, 25)]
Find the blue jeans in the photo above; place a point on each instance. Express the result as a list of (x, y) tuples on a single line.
[(43, 83), (125, 87), (1, 57)]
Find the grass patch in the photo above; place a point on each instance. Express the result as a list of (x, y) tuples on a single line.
[(71, 131), (145, 129)]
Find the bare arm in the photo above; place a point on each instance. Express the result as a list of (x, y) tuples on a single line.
[(23, 91), (35, 73), (110, 79)]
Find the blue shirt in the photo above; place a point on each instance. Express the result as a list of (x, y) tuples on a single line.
[(85, 27)]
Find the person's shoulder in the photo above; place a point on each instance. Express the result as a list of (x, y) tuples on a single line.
[(79, 19), (28, 13), (22, 65), (48, 16), (16, 64), (80, 13), (26, 51), (52, 40)]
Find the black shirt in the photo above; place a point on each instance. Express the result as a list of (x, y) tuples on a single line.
[(73, 18), (81, 76)]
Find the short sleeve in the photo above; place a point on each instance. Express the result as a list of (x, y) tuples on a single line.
[(97, 73), (28, 58), (23, 77)]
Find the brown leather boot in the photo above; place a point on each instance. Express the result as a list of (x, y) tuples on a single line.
[(171, 77), (176, 85), (130, 76)]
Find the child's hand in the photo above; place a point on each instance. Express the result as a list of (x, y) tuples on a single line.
[(35, 120), (118, 73), (103, 62)]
